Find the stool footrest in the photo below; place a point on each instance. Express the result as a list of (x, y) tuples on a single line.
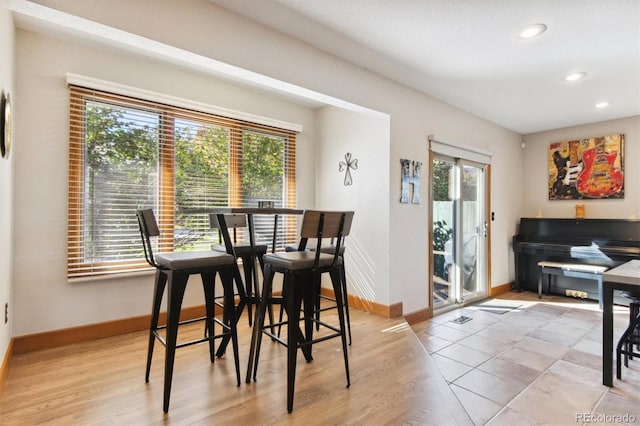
[(226, 332)]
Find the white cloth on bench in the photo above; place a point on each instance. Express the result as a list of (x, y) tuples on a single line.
[(584, 271), (577, 267)]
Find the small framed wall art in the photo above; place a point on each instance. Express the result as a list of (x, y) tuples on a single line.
[(5, 124)]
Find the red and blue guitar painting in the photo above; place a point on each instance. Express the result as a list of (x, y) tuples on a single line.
[(601, 177)]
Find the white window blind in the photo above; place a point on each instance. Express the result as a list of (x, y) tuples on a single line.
[(127, 154), (466, 152)]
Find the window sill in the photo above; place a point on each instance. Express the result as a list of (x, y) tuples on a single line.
[(105, 277)]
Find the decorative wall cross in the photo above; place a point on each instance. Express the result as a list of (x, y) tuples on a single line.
[(346, 166), (408, 180)]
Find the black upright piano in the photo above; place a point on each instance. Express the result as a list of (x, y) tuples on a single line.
[(604, 242)]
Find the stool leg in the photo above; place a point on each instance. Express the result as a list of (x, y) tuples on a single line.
[(248, 279), (294, 299), (636, 310), (176, 285), (337, 288), (628, 348), (345, 295), (208, 285), (237, 309), (258, 324), (282, 308), (158, 290), (311, 305), (317, 290), (257, 290), (226, 276)]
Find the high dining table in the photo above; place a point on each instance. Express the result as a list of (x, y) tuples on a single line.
[(625, 277), (246, 296)]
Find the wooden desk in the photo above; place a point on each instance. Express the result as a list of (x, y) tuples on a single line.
[(625, 277)]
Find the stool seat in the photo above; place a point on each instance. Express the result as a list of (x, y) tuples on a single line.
[(325, 249), (298, 260), (241, 249), (193, 259)]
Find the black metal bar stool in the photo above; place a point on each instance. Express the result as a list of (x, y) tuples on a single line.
[(244, 251), (631, 336), (302, 270), (172, 271), (329, 249)]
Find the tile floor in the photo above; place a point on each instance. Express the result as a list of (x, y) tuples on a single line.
[(524, 361)]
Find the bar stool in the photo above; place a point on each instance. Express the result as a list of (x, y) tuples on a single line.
[(631, 335), (302, 270), (244, 251), (329, 249), (173, 271)]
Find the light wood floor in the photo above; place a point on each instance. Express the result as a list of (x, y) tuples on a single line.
[(517, 360), (393, 381)]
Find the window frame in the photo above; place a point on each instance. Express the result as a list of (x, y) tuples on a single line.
[(77, 266)]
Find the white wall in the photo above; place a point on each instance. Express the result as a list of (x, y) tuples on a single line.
[(535, 169), (366, 137), (7, 35), (206, 29), (412, 120), (43, 297)]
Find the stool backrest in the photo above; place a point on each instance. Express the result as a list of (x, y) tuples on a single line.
[(232, 220), (148, 228), (331, 227), (325, 224)]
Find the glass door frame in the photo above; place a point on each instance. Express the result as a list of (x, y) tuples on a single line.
[(481, 229), (456, 297)]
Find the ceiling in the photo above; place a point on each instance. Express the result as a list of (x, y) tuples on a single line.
[(468, 53)]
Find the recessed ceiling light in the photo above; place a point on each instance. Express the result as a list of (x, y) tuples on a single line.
[(575, 76), (602, 104), (532, 30)]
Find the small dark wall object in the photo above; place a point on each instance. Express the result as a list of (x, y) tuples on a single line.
[(408, 179), (5, 124), (346, 166)]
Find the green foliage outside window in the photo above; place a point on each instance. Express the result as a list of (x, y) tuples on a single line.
[(123, 165)]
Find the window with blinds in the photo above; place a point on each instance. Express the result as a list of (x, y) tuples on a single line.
[(126, 154)]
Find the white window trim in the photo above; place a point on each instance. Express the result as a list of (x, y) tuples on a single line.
[(466, 152), (148, 95)]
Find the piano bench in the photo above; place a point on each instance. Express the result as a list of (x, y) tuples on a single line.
[(575, 270)]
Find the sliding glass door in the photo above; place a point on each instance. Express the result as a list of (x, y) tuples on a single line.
[(459, 229)]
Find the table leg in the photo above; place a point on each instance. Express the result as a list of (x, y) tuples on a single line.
[(607, 334), (275, 233)]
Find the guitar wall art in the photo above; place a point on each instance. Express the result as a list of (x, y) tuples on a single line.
[(587, 168)]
